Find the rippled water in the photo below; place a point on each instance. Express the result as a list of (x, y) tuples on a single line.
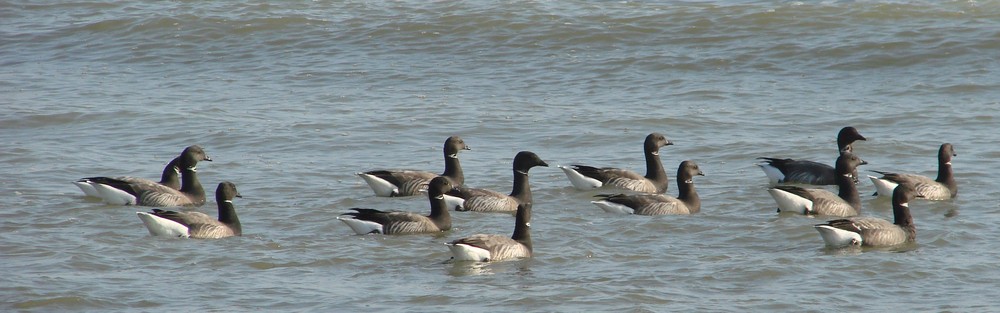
[(291, 99)]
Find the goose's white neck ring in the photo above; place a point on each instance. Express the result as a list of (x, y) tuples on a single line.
[(655, 153), (453, 155), (523, 172), (439, 197)]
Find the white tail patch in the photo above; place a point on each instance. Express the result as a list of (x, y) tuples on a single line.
[(464, 252), (884, 187), (454, 203), (773, 173), (579, 180), (836, 237), (114, 196), (87, 188), (612, 207), (159, 226), (361, 227), (789, 202), (381, 187)]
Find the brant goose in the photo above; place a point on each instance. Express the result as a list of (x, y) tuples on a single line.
[(587, 177), (809, 172), (942, 188), (820, 201), (169, 178), (482, 200), (495, 248), (873, 231), (196, 224), (119, 192), (366, 221), (402, 183), (687, 202)]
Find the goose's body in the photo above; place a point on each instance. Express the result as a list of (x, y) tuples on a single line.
[(687, 202), (170, 179), (196, 224), (495, 248), (942, 188), (779, 170), (483, 200), (122, 192), (655, 181), (366, 221), (872, 231), (820, 201), (797, 171), (403, 183)]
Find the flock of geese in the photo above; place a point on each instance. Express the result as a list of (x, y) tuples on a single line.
[(633, 194)]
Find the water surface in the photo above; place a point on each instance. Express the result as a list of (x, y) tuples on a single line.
[(291, 100)]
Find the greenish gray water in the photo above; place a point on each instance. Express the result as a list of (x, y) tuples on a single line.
[(291, 99)]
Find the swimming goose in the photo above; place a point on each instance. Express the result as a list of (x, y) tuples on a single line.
[(942, 188), (687, 201), (169, 178), (587, 177), (820, 201), (809, 172), (495, 248), (482, 200), (196, 224), (402, 183), (367, 221), (118, 192), (873, 231)]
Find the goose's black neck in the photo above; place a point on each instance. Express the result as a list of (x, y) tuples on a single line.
[(191, 186), (848, 189), (170, 173), (945, 174), (453, 168), (522, 228), (901, 197), (521, 190), (846, 166), (687, 192), (654, 168), (227, 215), (439, 210), (901, 214)]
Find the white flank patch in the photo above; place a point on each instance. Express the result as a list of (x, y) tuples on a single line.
[(87, 189), (773, 173), (836, 237), (579, 181), (612, 207), (789, 202), (114, 196), (884, 187), (159, 226), (361, 227), (381, 187), (463, 252)]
